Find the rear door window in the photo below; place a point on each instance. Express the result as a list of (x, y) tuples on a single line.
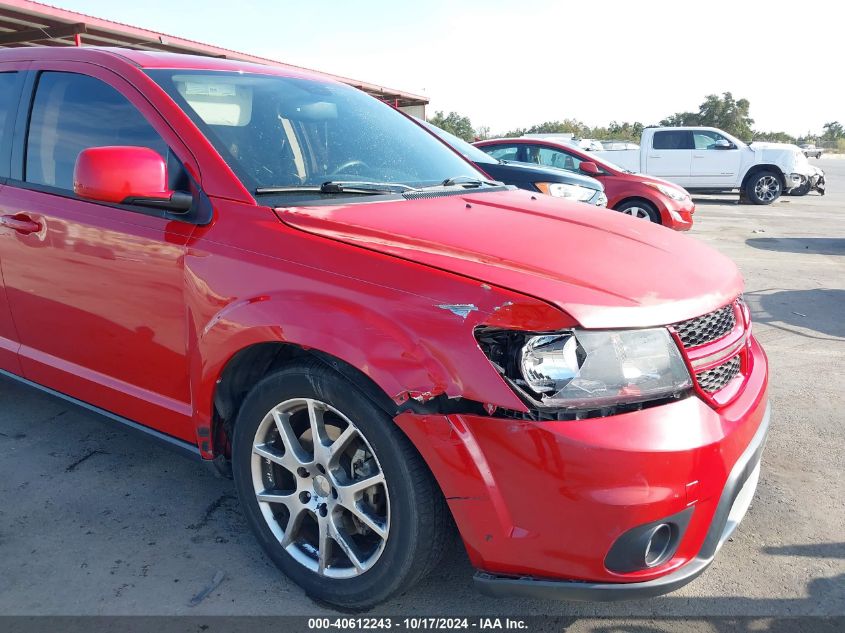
[(673, 139), (74, 112)]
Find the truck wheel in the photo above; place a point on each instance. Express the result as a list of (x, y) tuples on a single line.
[(640, 209), (336, 494), (764, 187)]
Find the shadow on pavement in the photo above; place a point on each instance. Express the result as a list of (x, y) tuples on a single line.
[(816, 550), (814, 245), (821, 310)]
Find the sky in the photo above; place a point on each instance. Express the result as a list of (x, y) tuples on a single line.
[(518, 63)]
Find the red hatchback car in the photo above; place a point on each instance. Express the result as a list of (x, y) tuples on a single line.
[(287, 278), (637, 195)]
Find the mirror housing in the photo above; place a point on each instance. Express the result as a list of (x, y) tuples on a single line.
[(723, 144), (126, 175), (590, 168)]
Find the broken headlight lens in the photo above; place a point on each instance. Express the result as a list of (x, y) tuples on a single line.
[(589, 369)]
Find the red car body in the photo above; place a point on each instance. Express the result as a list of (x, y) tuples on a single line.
[(620, 186), (151, 320)]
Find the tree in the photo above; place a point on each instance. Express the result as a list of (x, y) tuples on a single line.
[(833, 131), (680, 119), (725, 113), (775, 137), (455, 124)]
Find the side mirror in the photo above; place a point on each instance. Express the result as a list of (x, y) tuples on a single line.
[(129, 175), (723, 144), (590, 168)]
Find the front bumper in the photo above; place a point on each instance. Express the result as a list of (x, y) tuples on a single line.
[(540, 504), (817, 182), (599, 200), (733, 503), (678, 215)]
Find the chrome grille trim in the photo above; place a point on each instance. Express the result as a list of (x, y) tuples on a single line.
[(714, 379), (707, 328)]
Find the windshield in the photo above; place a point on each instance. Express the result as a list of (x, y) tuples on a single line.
[(603, 162), (295, 134), (470, 152)]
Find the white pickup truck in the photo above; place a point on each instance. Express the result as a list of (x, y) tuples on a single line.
[(708, 159)]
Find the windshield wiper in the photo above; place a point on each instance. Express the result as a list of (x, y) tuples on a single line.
[(466, 181), (340, 186)]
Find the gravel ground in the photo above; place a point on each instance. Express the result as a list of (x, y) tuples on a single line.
[(94, 520)]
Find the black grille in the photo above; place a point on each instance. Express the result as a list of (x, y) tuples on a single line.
[(707, 328), (714, 379)]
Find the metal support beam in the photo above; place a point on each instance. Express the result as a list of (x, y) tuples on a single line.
[(38, 35)]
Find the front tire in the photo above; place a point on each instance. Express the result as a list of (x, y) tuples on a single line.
[(640, 209), (764, 187), (354, 516)]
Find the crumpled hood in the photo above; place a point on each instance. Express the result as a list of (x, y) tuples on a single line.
[(787, 156), (602, 268)]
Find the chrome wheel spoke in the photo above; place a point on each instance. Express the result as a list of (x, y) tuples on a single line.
[(378, 528), (317, 424), (288, 500), (294, 525), (348, 491), (347, 549), (286, 460), (323, 544), (293, 448), (338, 446)]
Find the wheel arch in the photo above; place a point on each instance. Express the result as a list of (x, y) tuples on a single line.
[(755, 169), (250, 364)]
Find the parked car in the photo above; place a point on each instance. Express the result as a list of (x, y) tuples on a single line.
[(708, 159), (810, 149), (640, 196), (287, 278), (530, 177)]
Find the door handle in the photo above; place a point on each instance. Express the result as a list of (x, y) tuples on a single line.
[(698, 155), (20, 223)]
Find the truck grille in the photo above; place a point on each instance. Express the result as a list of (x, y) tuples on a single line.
[(707, 328), (714, 379)]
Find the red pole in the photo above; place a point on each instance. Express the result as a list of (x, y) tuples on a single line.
[(77, 38)]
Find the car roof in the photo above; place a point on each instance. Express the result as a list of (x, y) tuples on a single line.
[(153, 60)]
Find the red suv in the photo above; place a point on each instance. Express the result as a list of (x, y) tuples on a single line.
[(287, 278), (637, 195)]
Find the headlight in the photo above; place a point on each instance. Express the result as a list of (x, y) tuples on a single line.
[(671, 192), (590, 369), (561, 190), (602, 200)]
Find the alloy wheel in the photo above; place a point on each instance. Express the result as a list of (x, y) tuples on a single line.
[(637, 212), (767, 188), (320, 488)]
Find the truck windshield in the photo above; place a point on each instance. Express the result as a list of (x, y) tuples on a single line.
[(287, 136)]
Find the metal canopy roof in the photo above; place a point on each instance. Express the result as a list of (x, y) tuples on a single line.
[(26, 23)]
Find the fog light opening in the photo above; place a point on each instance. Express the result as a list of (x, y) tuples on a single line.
[(658, 544)]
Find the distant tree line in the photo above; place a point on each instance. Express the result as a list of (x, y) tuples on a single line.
[(723, 112)]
